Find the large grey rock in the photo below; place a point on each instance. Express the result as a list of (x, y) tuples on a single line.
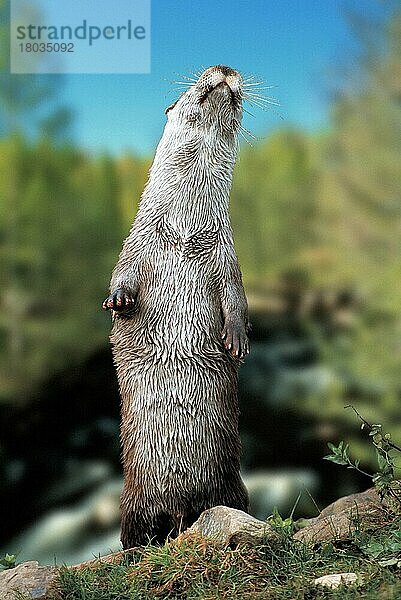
[(230, 527), (27, 579)]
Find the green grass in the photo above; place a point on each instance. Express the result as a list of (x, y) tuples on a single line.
[(196, 569)]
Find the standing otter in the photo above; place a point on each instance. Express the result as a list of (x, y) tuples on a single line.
[(180, 321)]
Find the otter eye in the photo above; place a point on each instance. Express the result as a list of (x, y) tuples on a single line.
[(170, 107)]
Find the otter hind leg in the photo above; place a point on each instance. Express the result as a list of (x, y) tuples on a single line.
[(234, 494), (239, 497), (138, 528), (135, 529)]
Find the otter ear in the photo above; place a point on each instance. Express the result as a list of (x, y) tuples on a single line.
[(170, 107)]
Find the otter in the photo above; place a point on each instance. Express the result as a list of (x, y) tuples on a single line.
[(180, 322)]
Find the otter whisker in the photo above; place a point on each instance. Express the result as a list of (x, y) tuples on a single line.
[(185, 80), (190, 79), (248, 112), (246, 76), (263, 99), (257, 88), (183, 83), (197, 73), (251, 135), (258, 102), (241, 133), (254, 102), (258, 94), (247, 135), (268, 106), (192, 76), (253, 92), (253, 82)]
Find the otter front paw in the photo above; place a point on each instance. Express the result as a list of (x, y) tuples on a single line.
[(120, 300), (235, 339)]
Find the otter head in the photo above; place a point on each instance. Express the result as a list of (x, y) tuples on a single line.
[(213, 104)]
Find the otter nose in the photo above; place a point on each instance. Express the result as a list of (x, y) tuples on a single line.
[(233, 82), (227, 71), (220, 74)]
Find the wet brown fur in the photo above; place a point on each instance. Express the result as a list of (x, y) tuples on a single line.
[(180, 322)]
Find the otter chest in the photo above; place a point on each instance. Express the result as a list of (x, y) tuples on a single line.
[(197, 243)]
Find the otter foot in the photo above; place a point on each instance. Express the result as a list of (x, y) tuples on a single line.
[(235, 339), (120, 300)]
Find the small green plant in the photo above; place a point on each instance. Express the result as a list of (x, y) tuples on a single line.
[(282, 526), (286, 526), (8, 561), (382, 546), (383, 479)]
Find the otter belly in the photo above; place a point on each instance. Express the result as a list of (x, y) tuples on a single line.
[(178, 386)]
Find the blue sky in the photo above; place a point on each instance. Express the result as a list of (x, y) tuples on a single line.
[(292, 44)]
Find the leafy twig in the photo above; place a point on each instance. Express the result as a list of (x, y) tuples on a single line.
[(383, 480), (340, 457), (369, 427)]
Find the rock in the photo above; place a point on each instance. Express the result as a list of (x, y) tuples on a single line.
[(230, 527), (340, 518), (366, 501), (27, 578), (336, 579)]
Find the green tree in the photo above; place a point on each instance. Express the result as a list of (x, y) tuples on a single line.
[(273, 193), (359, 206)]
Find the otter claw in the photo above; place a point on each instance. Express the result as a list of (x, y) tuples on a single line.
[(119, 300), (235, 340)]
